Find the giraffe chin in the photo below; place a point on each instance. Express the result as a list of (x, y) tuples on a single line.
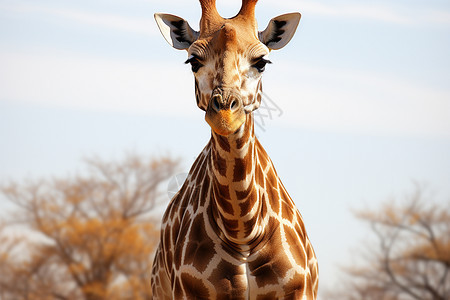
[(224, 123)]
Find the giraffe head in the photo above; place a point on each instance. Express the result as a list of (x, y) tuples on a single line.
[(228, 57)]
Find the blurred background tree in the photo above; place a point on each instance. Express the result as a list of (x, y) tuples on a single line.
[(409, 258), (86, 237)]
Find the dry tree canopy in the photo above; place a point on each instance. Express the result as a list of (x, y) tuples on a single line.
[(409, 257), (91, 236)]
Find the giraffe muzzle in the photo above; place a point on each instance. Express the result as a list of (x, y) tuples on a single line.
[(225, 113)]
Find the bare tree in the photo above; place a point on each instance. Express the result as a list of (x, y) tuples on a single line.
[(410, 258), (86, 237)]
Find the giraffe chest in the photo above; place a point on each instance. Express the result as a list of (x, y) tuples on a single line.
[(207, 267)]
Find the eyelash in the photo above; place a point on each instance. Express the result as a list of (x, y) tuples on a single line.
[(195, 63), (260, 64)]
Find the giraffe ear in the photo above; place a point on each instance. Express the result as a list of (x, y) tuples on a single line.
[(280, 31), (176, 31)]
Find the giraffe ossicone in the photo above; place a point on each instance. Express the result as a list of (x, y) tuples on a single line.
[(232, 231)]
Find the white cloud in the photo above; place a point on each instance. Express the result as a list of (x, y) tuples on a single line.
[(96, 84), (345, 100), (405, 15), (144, 26), (325, 99), (439, 17)]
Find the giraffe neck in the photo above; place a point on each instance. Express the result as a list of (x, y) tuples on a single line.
[(236, 201)]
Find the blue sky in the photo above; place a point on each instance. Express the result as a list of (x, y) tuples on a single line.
[(364, 87)]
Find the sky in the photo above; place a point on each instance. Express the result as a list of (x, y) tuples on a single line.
[(360, 99)]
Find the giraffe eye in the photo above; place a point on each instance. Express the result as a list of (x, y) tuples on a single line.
[(195, 63), (260, 64)]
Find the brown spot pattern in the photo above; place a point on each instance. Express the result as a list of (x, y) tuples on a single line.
[(200, 249), (228, 279), (220, 164), (194, 287), (191, 235)]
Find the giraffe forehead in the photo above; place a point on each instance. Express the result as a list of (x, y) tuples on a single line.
[(230, 40)]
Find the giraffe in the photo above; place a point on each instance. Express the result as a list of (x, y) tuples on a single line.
[(232, 231)]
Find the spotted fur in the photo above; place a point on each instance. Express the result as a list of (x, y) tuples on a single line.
[(232, 231)]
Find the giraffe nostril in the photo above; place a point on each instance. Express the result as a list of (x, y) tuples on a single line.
[(233, 105), (216, 102)]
